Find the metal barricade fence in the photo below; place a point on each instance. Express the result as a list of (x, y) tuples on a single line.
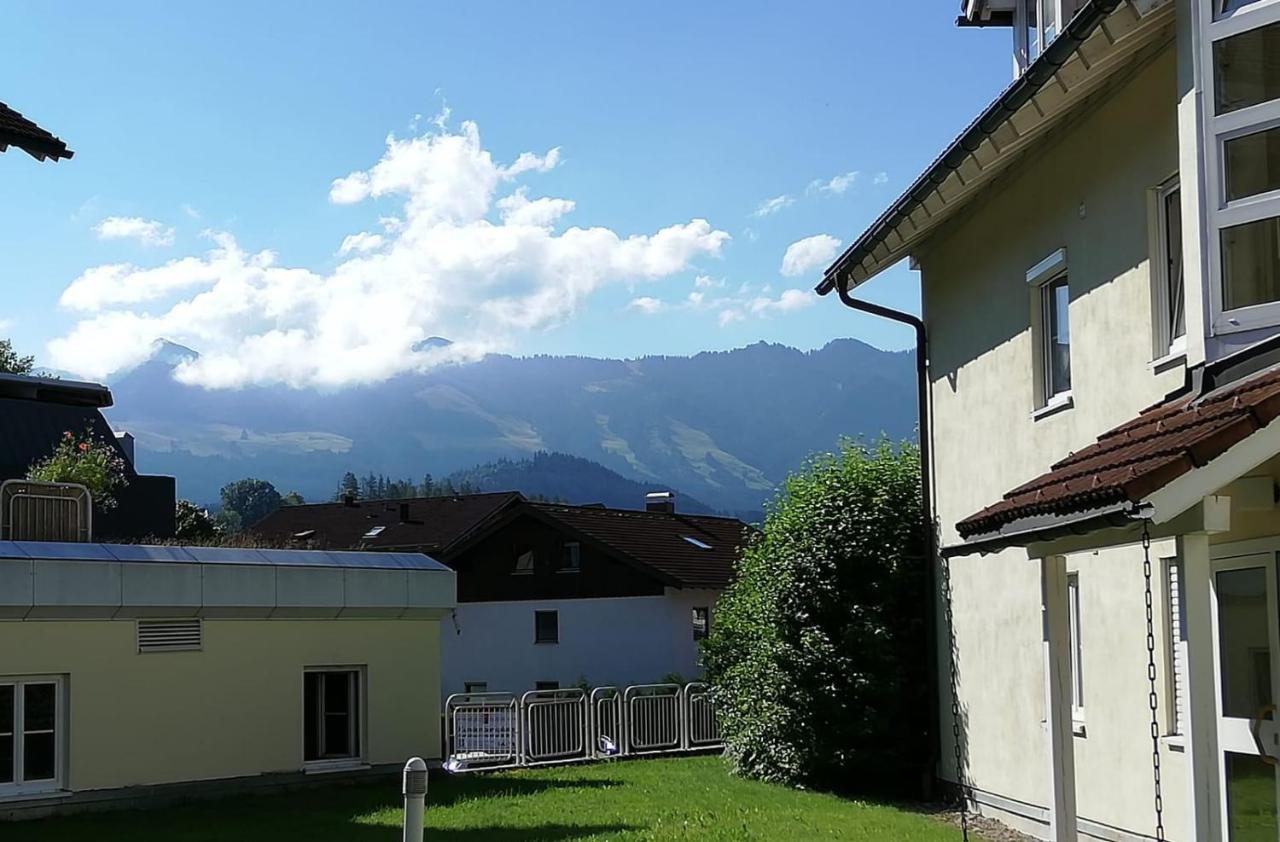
[(481, 730), (653, 718), (702, 726), (543, 727), (554, 726)]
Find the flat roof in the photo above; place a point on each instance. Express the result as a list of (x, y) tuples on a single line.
[(163, 554)]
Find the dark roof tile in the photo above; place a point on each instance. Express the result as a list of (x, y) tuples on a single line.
[(16, 130)]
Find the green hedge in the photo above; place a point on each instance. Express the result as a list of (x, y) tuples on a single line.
[(817, 652)]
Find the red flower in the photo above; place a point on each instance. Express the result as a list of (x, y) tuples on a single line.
[(84, 447)]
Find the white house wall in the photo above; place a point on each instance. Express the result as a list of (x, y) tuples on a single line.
[(1088, 189), (617, 641)]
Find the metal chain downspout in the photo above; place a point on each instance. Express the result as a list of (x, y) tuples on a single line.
[(957, 736), (1153, 699)]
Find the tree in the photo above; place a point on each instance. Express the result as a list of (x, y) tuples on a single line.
[(11, 362), (193, 523), (293, 498), (817, 652), (349, 486), (250, 499)]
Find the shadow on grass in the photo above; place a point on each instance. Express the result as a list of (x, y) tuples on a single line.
[(542, 832), (445, 791)]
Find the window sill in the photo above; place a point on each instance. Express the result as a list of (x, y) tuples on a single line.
[(546, 643), (1174, 742), (33, 794), (569, 570), (521, 572), (1175, 358), (1058, 403), (321, 767), (1078, 729)]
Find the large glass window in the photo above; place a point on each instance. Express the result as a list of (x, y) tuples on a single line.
[(1246, 69), (1057, 337), (1251, 263), (30, 717), (1252, 164), (331, 715)]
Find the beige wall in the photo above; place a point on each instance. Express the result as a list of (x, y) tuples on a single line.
[(1087, 189), (234, 708)]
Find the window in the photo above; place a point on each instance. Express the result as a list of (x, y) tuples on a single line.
[(331, 716), (546, 626), (374, 532), (1052, 299), (571, 557), (546, 685), (1037, 23), (30, 735), (524, 561), (701, 622), (1077, 675), (1169, 294), (1177, 646), (700, 544), (1242, 161), (475, 687)]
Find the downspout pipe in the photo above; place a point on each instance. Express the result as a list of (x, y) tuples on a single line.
[(926, 493)]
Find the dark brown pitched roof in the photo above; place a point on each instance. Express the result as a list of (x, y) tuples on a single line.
[(664, 542), (1142, 456), (16, 130), (434, 524)]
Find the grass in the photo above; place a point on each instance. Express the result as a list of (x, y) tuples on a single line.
[(684, 798)]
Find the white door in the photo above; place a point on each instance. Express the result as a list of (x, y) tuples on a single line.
[(1246, 622)]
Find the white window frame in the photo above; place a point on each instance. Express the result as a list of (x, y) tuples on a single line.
[(1077, 653), (1064, 10), (706, 621), (1040, 278), (1218, 213), (1165, 346), (19, 787), (356, 761), (533, 563)]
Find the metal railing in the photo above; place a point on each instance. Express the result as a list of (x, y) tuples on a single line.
[(544, 727), (45, 511)]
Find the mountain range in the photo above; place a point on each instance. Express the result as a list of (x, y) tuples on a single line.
[(726, 426)]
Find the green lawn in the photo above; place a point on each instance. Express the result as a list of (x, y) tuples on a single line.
[(684, 798)]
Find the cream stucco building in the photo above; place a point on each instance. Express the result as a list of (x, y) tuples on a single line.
[(134, 672), (1099, 257)]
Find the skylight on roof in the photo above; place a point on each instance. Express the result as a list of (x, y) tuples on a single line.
[(375, 532), (702, 545), (304, 534)]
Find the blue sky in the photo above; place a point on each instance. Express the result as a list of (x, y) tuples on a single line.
[(227, 125)]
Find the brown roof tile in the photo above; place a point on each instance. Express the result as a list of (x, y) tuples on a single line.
[(1141, 456), (16, 130)]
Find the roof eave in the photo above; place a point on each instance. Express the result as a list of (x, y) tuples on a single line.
[(995, 117)]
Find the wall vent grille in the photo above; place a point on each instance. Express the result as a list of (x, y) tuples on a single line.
[(169, 635)]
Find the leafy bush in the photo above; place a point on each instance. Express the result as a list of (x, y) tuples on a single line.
[(193, 524), (818, 653), (87, 461)]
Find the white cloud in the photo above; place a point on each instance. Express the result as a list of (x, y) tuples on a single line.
[(363, 243), (707, 282), (458, 260), (809, 253), (881, 178), (763, 306), (145, 231), (645, 305), (190, 211), (836, 185), (771, 206)]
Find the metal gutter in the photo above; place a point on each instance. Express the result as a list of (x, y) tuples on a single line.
[(1031, 82)]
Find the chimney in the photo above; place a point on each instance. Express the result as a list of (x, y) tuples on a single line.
[(660, 501), (404, 512), (349, 500), (126, 444)]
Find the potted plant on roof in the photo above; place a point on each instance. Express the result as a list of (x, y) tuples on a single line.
[(84, 460)]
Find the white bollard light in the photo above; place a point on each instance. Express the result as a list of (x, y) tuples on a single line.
[(415, 798)]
